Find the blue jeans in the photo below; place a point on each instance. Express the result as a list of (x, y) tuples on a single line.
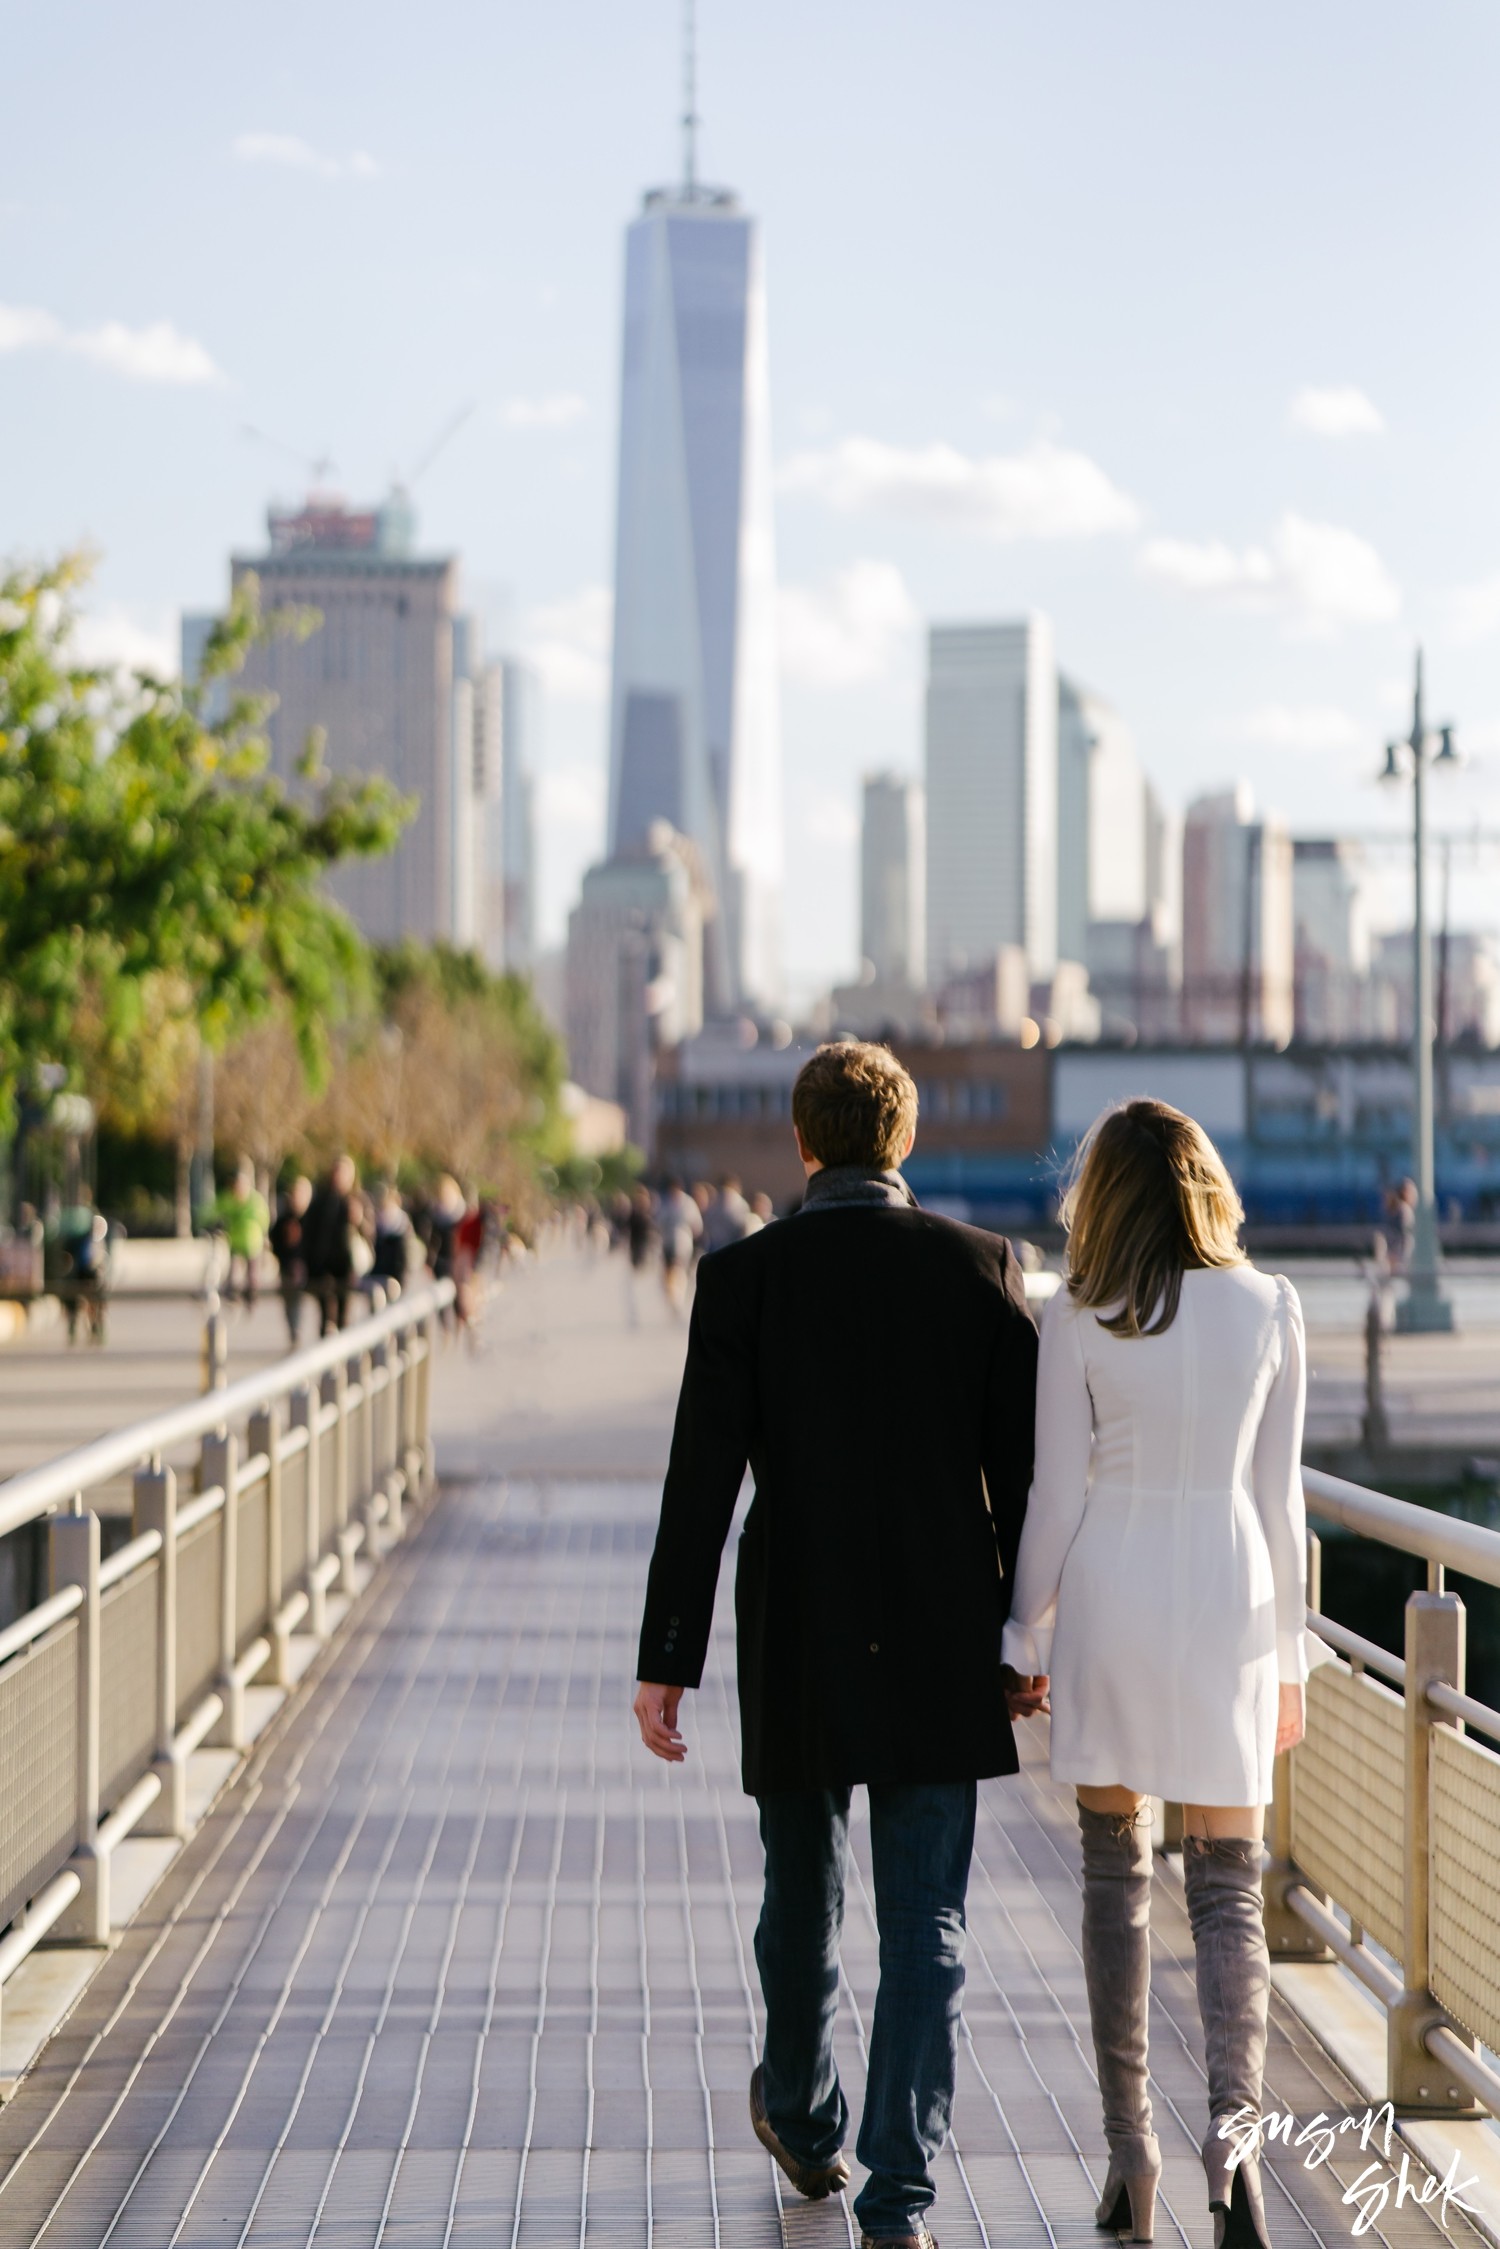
[(921, 1841)]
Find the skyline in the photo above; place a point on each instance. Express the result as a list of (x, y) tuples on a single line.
[(1054, 325)]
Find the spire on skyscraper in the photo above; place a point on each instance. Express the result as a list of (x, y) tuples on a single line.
[(690, 120)]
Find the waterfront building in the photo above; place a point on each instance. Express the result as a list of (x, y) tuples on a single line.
[(991, 776), (694, 718), (1237, 932), (511, 846), (635, 968), (1337, 996), (376, 679), (893, 879)]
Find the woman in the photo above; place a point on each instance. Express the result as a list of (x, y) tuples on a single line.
[(1161, 1583)]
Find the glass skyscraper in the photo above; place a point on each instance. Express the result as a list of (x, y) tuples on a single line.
[(694, 725)]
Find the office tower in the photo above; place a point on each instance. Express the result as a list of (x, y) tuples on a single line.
[(694, 724), (1336, 998), (520, 736), (488, 689), (991, 770), (377, 676), (635, 968), (893, 880), (1102, 820), (1465, 986), (1237, 932)]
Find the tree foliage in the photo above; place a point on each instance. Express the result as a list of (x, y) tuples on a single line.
[(151, 869)]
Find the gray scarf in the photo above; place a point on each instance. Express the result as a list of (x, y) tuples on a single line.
[(853, 1186)]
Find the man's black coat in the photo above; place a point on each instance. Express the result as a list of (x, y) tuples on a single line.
[(876, 1368)]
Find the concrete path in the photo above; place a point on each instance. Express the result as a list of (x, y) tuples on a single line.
[(455, 1962)]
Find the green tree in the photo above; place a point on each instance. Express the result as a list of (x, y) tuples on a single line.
[(146, 851)]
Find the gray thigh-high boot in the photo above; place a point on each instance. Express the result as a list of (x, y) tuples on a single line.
[(1117, 1970), (1222, 1881)]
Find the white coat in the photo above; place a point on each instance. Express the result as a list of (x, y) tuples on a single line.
[(1162, 1574)]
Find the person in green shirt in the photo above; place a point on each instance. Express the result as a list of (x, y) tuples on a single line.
[(241, 1215)]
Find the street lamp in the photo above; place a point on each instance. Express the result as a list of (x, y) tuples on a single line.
[(1428, 1309)]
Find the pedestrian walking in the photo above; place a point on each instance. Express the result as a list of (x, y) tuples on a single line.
[(289, 1249), (679, 1224), (640, 1241), (727, 1218), (1160, 1603), (874, 1365), (242, 1215), (395, 1245), (331, 1229)]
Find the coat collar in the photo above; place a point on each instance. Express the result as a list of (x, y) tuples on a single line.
[(847, 1186)]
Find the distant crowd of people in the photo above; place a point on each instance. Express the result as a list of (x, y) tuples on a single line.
[(674, 1226), (334, 1238)]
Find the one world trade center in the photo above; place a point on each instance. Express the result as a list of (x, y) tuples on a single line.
[(694, 724)]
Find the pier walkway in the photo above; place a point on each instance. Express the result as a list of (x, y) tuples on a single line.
[(452, 1961)]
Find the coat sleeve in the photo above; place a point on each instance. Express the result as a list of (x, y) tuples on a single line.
[(1276, 1481), (710, 1449), (1010, 1419), (1064, 1437)]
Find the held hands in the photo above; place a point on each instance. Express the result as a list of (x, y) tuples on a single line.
[(1025, 1697), (656, 1714), (1291, 1717)]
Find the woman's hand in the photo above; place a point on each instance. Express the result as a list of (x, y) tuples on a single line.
[(1291, 1717), (1025, 1697)]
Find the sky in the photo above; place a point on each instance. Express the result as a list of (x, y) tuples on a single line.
[(1176, 323)]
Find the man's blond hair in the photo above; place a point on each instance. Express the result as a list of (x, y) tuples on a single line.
[(854, 1104)]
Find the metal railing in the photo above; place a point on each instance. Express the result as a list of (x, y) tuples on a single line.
[(130, 1664), (1390, 1813)]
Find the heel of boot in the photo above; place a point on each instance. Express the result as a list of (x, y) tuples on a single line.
[(1238, 2205), (1128, 2206)]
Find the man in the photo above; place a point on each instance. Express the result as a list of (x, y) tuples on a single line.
[(876, 1368), (328, 1244), (727, 1218), (289, 1251)]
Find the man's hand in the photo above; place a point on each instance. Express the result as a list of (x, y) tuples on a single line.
[(1291, 1717), (1025, 1697), (656, 1715)]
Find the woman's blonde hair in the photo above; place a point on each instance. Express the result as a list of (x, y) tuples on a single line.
[(1148, 1198)]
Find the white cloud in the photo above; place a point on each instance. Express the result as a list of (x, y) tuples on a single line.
[(1339, 410), (26, 327), (568, 641), (1318, 575), (844, 632), (558, 409), (1472, 613), (1300, 726), (117, 636), (157, 353), (300, 156), (1045, 492)]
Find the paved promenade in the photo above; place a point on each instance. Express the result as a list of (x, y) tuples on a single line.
[(454, 1962)]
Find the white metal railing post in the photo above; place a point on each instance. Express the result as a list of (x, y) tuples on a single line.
[(220, 1464), (156, 1510), (1434, 1654), (386, 1471), (265, 1436), (307, 1407), (372, 1496), (1288, 1936), (347, 1541), (75, 1561), (424, 1395)]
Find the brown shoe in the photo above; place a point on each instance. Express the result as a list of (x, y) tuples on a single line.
[(921, 2239), (815, 2180)]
